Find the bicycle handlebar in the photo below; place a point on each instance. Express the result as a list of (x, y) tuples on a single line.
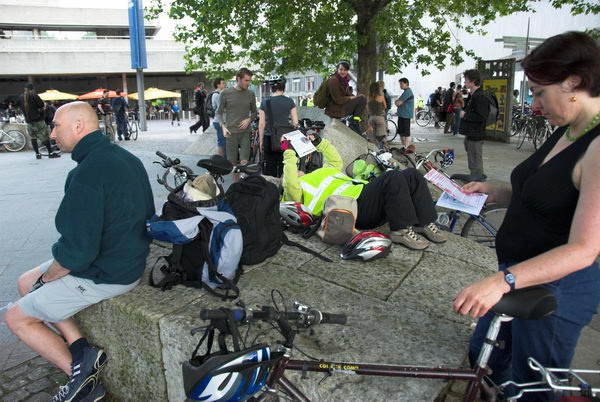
[(161, 155), (307, 318)]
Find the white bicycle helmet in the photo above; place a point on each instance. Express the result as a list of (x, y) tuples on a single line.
[(366, 246), (228, 377), (296, 215)]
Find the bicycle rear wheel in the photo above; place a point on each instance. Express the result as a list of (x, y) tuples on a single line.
[(523, 133), (483, 229), (15, 140), (133, 130), (392, 130), (423, 118)]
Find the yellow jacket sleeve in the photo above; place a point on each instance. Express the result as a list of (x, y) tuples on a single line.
[(292, 190), (331, 156)]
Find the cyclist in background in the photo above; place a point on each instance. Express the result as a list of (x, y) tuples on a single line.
[(376, 107)]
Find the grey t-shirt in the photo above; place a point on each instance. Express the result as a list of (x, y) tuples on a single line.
[(214, 100), (235, 106), (280, 107)]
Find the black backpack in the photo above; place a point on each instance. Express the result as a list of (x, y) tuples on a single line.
[(255, 204), (492, 116), (210, 110), (204, 254)]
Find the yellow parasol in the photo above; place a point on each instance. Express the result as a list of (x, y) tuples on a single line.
[(52, 95), (155, 93)]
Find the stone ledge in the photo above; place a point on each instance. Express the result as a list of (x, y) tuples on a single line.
[(398, 312)]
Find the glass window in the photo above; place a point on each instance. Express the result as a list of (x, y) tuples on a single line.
[(310, 84), (296, 85)]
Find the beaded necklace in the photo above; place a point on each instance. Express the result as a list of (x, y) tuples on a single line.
[(592, 124)]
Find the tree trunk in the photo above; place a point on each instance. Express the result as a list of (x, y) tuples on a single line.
[(367, 48)]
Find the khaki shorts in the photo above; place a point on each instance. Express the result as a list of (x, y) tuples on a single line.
[(39, 130), (63, 298), (237, 147)]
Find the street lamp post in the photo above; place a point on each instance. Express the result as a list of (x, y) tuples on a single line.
[(137, 41)]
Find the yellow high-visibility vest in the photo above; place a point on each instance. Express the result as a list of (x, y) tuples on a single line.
[(322, 183)]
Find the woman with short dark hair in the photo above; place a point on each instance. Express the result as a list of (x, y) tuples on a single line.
[(550, 233), (341, 102), (275, 111)]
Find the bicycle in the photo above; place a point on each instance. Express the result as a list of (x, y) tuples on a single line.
[(132, 127), (12, 140), (106, 125), (391, 127), (55, 149), (425, 117), (481, 228), (175, 173), (265, 367)]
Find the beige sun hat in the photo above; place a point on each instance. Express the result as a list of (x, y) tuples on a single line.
[(203, 188)]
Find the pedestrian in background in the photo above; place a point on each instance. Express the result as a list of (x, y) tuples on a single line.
[(458, 103), (386, 96), (406, 105), (236, 111), (376, 107), (218, 86), (448, 108), (472, 125), (200, 95), (33, 108), (175, 113), (120, 106)]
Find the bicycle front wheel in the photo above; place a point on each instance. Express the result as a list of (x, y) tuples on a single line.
[(482, 229), (14, 140), (392, 130), (423, 118)]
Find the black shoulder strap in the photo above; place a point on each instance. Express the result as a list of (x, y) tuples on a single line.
[(288, 242)]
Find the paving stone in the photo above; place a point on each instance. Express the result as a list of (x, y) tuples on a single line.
[(16, 371), (16, 396), (39, 385), (40, 397), (17, 383), (38, 372), (59, 378)]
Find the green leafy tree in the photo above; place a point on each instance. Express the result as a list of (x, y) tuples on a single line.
[(280, 36)]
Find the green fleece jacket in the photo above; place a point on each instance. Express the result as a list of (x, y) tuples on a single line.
[(102, 217)]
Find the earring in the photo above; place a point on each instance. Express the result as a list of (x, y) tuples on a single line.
[(573, 99)]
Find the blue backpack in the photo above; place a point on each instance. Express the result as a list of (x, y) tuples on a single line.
[(207, 245)]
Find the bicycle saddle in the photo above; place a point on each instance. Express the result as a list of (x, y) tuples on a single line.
[(467, 178), (217, 165), (531, 303), (248, 168)]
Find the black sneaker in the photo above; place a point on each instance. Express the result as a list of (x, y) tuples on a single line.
[(96, 395), (84, 376), (54, 155), (38, 156)]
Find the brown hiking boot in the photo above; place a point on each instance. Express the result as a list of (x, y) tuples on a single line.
[(432, 232), (407, 237)]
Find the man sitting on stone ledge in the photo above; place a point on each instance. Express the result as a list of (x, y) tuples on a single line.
[(400, 198), (101, 251)]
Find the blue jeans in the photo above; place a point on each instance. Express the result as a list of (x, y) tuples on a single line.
[(551, 341), (220, 136), (456, 124), (122, 126)]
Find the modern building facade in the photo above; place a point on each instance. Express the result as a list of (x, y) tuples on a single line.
[(77, 50)]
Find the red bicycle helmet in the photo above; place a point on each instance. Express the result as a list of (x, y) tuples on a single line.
[(296, 215), (366, 246)]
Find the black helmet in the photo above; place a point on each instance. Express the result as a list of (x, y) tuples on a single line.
[(276, 81)]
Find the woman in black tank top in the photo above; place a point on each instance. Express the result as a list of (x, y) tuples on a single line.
[(550, 234)]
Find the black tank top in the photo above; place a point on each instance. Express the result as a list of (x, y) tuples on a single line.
[(543, 201)]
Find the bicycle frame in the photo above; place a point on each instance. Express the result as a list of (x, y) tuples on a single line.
[(474, 376)]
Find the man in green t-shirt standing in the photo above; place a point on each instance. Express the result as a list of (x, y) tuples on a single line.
[(236, 111)]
